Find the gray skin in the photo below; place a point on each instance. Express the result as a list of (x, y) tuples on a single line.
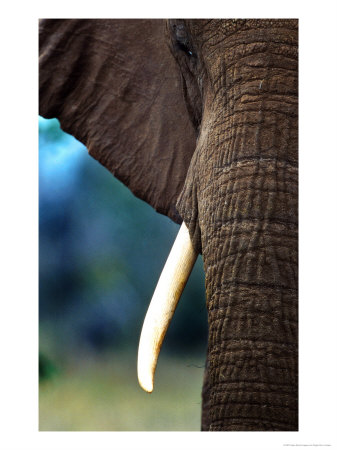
[(199, 119)]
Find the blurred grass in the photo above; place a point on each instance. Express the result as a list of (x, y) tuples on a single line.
[(102, 394)]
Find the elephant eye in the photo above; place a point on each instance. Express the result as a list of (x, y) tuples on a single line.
[(182, 39), (185, 49)]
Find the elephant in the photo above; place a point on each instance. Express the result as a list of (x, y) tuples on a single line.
[(199, 119)]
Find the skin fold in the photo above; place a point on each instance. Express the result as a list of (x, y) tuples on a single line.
[(209, 127)]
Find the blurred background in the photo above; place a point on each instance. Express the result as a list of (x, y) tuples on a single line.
[(101, 252)]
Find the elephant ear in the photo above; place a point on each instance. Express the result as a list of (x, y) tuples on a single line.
[(114, 85)]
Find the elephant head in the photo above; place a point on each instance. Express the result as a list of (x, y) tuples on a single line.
[(199, 119)]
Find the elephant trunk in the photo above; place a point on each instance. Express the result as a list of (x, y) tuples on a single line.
[(240, 205)]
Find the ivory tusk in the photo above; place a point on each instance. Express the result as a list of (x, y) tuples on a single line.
[(164, 301)]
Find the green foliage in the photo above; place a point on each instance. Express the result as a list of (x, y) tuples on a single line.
[(47, 369), (103, 395)]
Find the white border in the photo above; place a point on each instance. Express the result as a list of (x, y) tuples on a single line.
[(318, 226)]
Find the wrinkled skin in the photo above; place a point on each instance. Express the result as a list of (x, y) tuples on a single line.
[(206, 132)]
